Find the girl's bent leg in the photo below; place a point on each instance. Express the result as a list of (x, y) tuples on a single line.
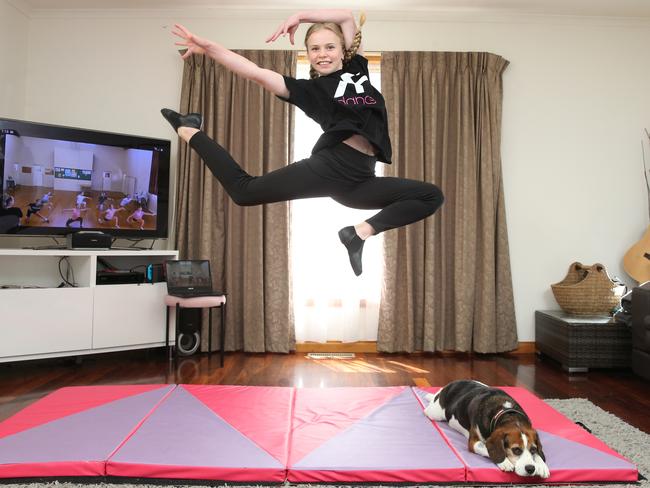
[(402, 201)]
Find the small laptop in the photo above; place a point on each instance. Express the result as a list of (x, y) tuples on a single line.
[(189, 278)]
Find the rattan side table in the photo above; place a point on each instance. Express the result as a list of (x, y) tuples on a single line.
[(580, 342)]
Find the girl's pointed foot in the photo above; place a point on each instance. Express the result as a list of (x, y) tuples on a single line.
[(177, 120), (354, 245)]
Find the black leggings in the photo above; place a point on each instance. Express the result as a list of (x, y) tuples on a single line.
[(33, 210), (340, 172)]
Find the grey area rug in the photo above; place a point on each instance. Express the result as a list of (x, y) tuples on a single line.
[(620, 436)]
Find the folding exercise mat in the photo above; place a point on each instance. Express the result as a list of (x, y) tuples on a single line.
[(275, 434)]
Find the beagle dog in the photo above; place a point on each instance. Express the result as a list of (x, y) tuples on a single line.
[(494, 423)]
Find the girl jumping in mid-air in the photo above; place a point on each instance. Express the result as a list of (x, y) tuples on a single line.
[(350, 111)]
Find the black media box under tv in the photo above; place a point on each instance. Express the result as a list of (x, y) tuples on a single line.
[(89, 240), (119, 277)]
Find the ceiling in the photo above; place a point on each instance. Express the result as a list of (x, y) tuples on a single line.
[(639, 9)]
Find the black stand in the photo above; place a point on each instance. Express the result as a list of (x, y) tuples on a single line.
[(51, 246), (134, 247)]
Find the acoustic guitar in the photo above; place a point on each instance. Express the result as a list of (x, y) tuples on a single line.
[(636, 261)]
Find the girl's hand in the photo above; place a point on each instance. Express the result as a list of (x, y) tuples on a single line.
[(287, 27), (194, 44)]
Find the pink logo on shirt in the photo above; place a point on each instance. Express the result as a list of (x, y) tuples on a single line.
[(367, 100)]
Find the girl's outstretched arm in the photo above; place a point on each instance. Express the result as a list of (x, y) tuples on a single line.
[(344, 18), (270, 80)]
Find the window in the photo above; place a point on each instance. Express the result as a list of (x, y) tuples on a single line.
[(330, 302)]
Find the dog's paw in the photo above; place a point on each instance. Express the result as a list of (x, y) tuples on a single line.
[(479, 448), (506, 465), (541, 469), (429, 411), (434, 412)]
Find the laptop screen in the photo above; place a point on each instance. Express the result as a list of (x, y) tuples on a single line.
[(188, 275)]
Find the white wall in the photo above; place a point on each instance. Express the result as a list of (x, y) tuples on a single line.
[(576, 100), (14, 37)]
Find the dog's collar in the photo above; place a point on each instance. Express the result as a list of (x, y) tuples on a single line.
[(501, 413)]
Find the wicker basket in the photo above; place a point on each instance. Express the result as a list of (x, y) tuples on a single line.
[(587, 290)]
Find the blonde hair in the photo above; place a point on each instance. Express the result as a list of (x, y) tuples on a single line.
[(348, 54)]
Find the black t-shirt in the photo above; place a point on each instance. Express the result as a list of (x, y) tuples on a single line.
[(344, 103)]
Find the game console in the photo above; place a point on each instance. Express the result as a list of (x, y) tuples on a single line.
[(119, 277)]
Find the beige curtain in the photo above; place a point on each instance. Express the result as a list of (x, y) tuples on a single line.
[(248, 246), (448, 284)]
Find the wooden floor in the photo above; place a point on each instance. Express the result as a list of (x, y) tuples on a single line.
[(617, 391)]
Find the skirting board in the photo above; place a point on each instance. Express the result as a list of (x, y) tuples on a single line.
[(371, 347)]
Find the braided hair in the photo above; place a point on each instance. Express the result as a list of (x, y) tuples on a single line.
[(356, 42), (336, 29)]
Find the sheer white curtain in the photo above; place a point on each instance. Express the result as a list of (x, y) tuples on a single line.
[(331, 303)]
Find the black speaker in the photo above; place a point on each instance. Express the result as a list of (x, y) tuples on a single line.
[(641, 330), (188, 335), (641, 317), (89, 240)]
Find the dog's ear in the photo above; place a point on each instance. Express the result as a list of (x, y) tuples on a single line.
[(496, 446), (540, 451)]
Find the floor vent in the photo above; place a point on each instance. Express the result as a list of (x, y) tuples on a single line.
[(331, 355)]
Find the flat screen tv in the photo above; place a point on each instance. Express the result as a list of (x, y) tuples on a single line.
[(57, 180)]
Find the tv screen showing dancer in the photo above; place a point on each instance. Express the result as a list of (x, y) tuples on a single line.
[(70, 185)]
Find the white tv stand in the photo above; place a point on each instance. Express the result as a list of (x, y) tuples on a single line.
[(49, 321)]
